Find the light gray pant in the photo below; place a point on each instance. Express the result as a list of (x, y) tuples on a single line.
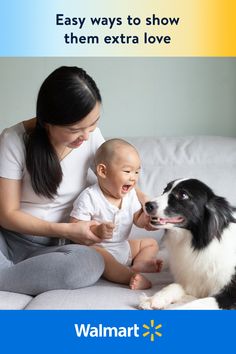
[(30, 267)]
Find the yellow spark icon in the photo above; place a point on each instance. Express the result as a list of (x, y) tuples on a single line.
[(152, 330)]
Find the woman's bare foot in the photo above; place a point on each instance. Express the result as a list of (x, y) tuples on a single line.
[(139, 282), (151, 266)]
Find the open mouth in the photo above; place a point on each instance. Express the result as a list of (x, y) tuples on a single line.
[(126, 188), (163, 221)]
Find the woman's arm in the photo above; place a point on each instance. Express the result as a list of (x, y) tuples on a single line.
[(12, 218)]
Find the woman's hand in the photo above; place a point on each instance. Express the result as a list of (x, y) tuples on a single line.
[(80, 232)]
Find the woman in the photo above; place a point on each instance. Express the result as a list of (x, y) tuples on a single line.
[(43, 167)]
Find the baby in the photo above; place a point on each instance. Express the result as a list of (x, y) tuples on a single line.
[(114, 204)]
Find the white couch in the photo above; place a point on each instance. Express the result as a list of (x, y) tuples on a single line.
[(211, 159)]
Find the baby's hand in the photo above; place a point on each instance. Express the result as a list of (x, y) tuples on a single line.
[(104, 230), (143, 220)]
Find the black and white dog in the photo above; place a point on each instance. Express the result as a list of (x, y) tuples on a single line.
[(200, 238)]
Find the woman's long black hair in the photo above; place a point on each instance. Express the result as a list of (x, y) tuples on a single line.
[(66, 96)]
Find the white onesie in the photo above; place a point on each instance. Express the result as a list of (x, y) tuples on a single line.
[(92, 205)]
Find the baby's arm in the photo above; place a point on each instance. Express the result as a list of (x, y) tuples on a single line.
[(142, 197), (140, 218)]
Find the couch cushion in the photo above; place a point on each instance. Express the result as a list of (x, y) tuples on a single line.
[(208, 158), (102, 295), (13, 301)]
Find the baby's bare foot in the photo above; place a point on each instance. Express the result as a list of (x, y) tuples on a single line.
[(151, 266), (139, 282)]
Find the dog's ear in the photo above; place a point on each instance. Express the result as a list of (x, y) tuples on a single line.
[(212, 219), (218, 214), (206, 227)]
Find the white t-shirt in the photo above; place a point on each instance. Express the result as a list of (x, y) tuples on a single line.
[(92, 205), (74, 167)]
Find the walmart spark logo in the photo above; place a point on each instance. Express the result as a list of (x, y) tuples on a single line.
[(152, 330)]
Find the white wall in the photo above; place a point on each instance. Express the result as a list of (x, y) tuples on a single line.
[(141, 96)]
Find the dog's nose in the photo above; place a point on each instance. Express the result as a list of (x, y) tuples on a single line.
[(151, 207)]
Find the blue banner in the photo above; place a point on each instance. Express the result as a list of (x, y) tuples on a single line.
[(119, 331)]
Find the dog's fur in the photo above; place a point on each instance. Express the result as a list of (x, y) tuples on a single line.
[(200, 237)]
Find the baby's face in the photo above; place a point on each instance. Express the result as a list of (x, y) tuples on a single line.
[(122, 172)]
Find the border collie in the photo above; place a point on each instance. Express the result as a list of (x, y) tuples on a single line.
[(200, 238)]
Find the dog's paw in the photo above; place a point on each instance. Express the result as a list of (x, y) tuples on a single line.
[(156, 302), (163, 298), (144, 302), (159, 301)]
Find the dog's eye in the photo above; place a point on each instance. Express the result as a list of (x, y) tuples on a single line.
[(184, 196), (181, 195)]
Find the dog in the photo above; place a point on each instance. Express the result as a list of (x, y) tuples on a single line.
[(200, 236)]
